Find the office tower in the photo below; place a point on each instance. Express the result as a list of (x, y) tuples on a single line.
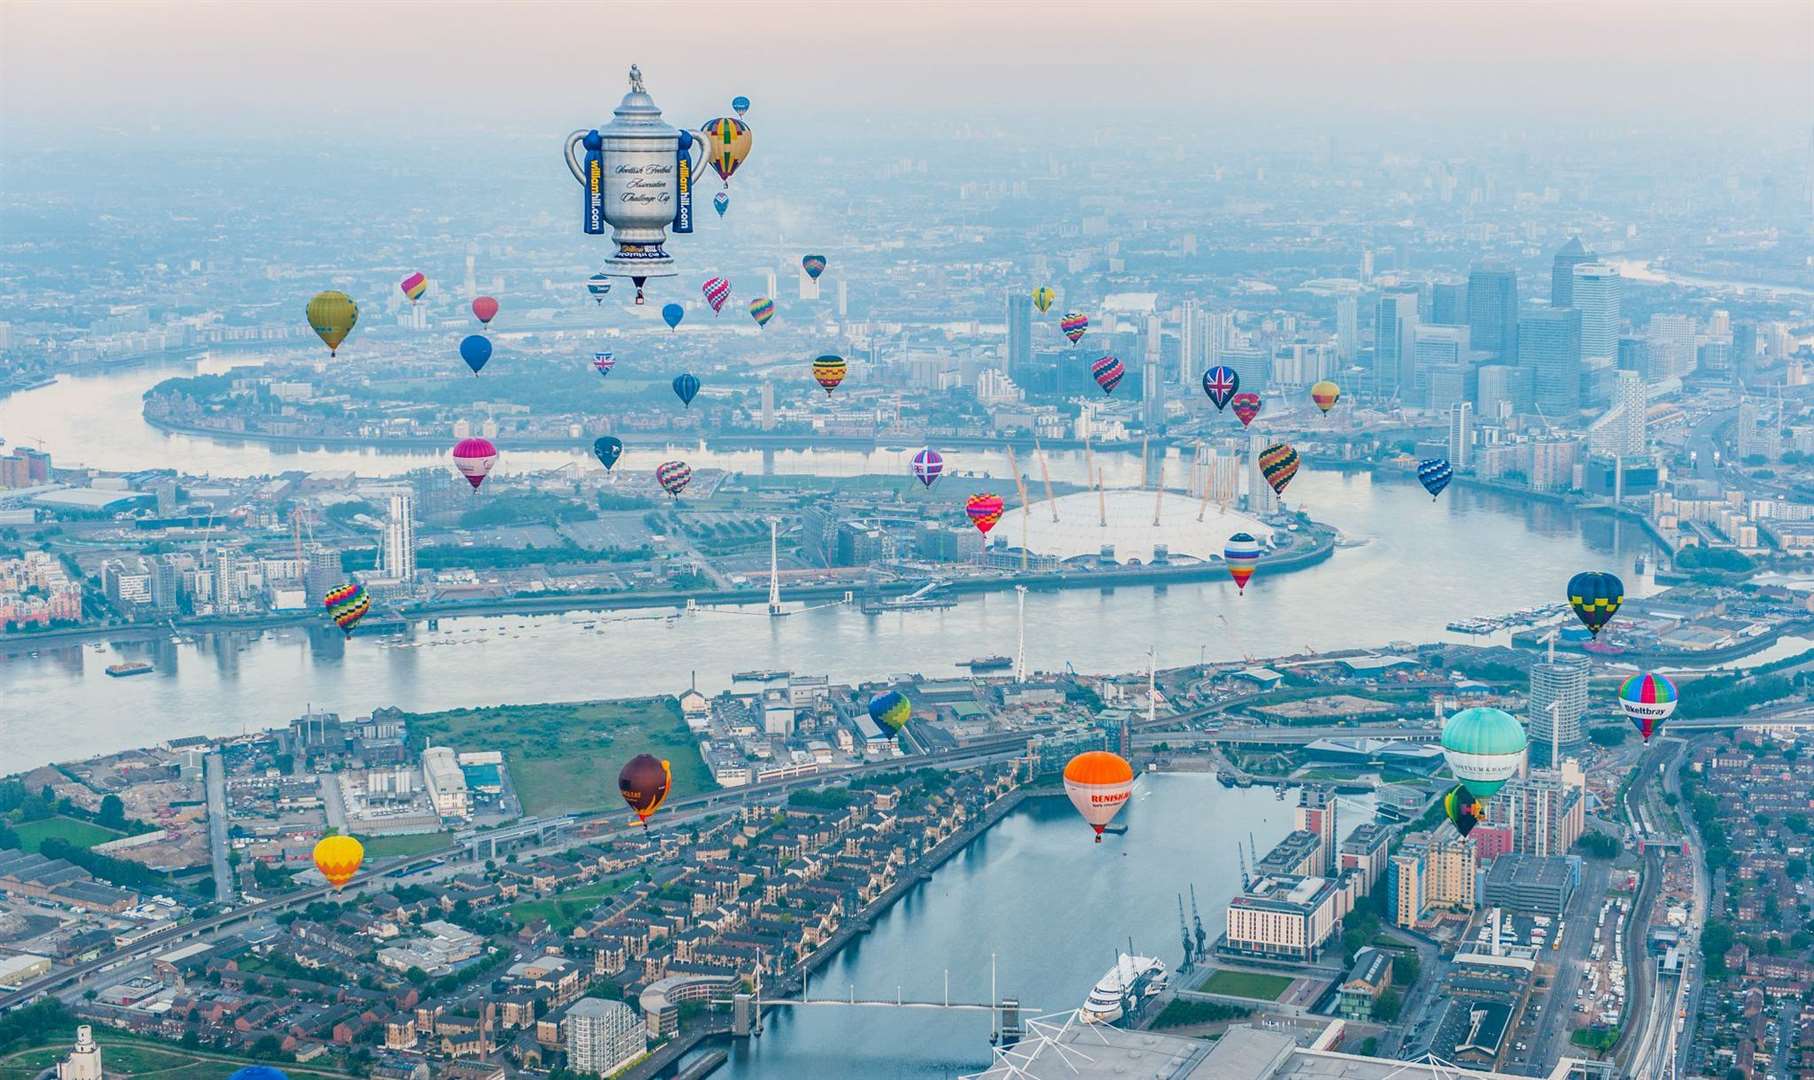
[(1440, 347), (1190, 346), (400, 538), (1316, 815), (768, 406), (1461, 434), (1020, 332), (226, 589), (1347, 329), (472, 277), (1671, 340), (602, 1036), (1714, 356), (1444, 386), (1549, 347), (1558, 702), (1503, 390), (1744, 349), (1562, 273), (1449, 303), (1216, 472), (1395, 344), (1218, 336), (1634, 355), (809, 287), (1597, 292), (843, 298), (1493, 313), (1719, 324), (1260, 497), (773, 286), (1632, 407), (1152, 387)]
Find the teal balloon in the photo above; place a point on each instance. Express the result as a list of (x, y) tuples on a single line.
[(891, 709), (686, 388), (672, 314), (607, 449)]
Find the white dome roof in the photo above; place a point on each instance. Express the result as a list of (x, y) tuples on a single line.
[(1130, 529)]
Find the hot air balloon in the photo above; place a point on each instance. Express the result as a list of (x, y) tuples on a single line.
[(598, 285), (476, 351), (686, 388), (1043, 297), (1242, 554), (828, 371), (1278, 464), (414, 286), (814, 265), (1325, 394), (721, 202), (1098, 784), (485, 308), (644, 782), (891, 709), (1434, 474), (1596, 598), (1108, 373), (672, 314), (717, 291), (1246, 406), (727, 143), (338, 858), (762, 309), (673, 476), (607, 449), (346, 605), (1463, 809), (928, 464), (474, 458), (258, 1072), (984, 511), (1648, 699), (740, 104), (603, 362), (1484, 748), (1220, 383), (1074, 324), (332, 314)]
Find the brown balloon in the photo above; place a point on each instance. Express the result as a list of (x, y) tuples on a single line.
[(644, 783)]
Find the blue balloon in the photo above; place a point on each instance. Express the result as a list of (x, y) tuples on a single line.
[(686, 387), (259, 1072), (721, 202), (1434, 474), (741, 104), (607, 449), (475, 350), (672, 314)]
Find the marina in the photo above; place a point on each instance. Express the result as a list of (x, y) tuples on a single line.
[(1493, 624)]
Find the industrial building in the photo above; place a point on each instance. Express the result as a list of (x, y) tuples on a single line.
[(1541, 885)]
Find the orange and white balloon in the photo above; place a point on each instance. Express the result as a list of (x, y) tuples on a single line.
[(1098, 784)]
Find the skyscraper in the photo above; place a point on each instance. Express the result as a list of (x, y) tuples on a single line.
[(1316, 815), (1190, 346), (1152, 387), (1671, 342), (1461, 434), (400, 538), (1630, 426), (1493, 313), (1449, 303), (1744, 349), (1347, 329), (1020, 332), (1216, 473), (1558, 702), (1549, 346), (1562, 272), (1597, 293), (768, 406), (1395, 344), (1260, 497)]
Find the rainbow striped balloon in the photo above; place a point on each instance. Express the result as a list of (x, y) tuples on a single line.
[(829, 371), (1648, 699), (346, 605), (985, 511), (1242, 554), (414, 286), (1074, 324), (762, 309)]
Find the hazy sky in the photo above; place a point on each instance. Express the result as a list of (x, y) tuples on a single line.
[(420, 68)]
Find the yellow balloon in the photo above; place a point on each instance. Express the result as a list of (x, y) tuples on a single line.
[(727, 143), (333, 314), (338, 858), (1043, 297)]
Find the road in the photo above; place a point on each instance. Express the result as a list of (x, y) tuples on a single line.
[(1646, 997), (215, 771)]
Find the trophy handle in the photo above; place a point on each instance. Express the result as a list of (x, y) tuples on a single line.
[(575, 138), (697, 167)]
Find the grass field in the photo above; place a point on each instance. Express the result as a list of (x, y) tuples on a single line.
[(565, 757), (386, 847), (80, 833), (1246, 984), (564, 912), (135, 1057)]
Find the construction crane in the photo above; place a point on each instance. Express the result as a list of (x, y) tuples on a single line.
[(1026, 508), (301, 524)]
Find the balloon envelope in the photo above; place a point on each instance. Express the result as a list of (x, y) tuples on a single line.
[(644, 782), (1043, 297), (332, 315), (474, 458), (762, 309), (1098, 784), (727, 143), (1246, 406), (673, 476), (1221, 383), (1278, 464), (1074, 324), (1463, 809), (1596, 597), (603, 362), (598, 285), (686, 387), (814, 265), (258, 1072), (346, 605), (607, 449), (984, 511), (485, 308), (1325, 394), (721, 202), (740, 104), (1434, 474), (414, 286), (1108, 373), (1484, 748), (672, 314), (928, 464), (891, 709), (828, 371), (1242, 554), (1648, 698), (338, 858), (717, 291), (476, 351)]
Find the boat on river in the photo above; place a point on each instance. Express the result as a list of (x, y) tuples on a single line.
[(1123, 987)]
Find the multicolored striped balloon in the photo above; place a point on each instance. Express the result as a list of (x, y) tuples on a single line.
[(716, 291), (346, 605), (1242, 554), (828, 371), (1325, 394), (891, 709), (928, 466), (1434, 474), (727, 143), (414, 286), (1278, 464), (603, 362), (762, 309), (984, 511), (1648, 699), (814, 265), (1074, 324), (673, 476), (1108, 373)]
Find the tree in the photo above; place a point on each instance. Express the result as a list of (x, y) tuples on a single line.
[(267, 1048), (113, 812), (1386, 1009), (1610, 735), (1716, 939)]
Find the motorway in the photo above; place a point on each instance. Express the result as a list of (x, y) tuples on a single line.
[(215, 770)]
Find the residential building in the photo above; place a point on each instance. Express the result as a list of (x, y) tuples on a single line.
[(1216, 472), (1283, 917), (1020, 332), (1261, 500), (603, 1036), (1347, 329), (1461, 434), (1557, 704), (1545, 812), (1431, 870), (1316, 816), (400, 538), (1670, 343), (1365, 853)]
